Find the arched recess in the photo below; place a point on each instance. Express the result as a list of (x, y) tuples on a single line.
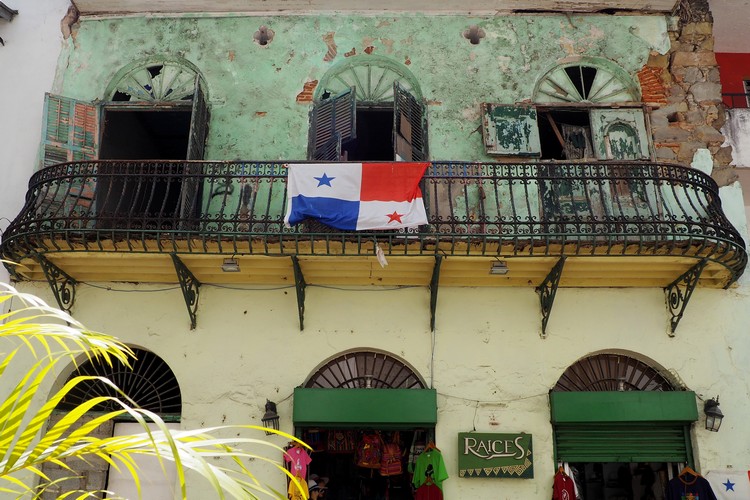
[(613, 408), (361, 389), (368, 108), (164, 79), (149, 382), (365, 369)]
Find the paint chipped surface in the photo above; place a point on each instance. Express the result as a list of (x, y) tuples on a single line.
[(331, 44)]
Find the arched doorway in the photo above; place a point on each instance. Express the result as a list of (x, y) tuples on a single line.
[(151, 385), (358, 400), (621, 425)]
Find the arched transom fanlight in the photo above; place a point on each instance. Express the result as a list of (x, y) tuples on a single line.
[(156, 82), (150, 383), (580, 82), (612, 372), (371, 76), (365, 370)]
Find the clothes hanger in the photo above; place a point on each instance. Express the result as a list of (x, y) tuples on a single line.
[(688, 470), (431, 446)]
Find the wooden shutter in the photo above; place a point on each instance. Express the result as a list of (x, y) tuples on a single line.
[(334, 116), (190, 194), (409, 126), (510, 130), (71, 130), (619, 134)]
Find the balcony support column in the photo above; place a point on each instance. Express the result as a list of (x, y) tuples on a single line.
[(63, 286), (300, 285), (547, 290), (190, 287), (678, 294), (434, 290)]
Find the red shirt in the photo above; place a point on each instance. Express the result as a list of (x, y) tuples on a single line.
[(562, 488), (428, 492)]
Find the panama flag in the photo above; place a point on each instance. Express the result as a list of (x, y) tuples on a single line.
[(730, 484), (356, 196)]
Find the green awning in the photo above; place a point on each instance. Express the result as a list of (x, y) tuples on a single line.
[(376, 408), (628, 406)]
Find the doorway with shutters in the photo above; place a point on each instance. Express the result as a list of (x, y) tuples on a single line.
[(621, 426), (368, 108), (155, 112)]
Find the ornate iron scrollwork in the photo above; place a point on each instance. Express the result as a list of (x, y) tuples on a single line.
[(299, 283), (434, 290), (63, 286), (547, 291), (190, 288), (679, 293)]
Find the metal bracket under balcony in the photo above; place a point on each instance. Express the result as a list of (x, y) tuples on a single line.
[(547, 291), (63, 286), (300, 285), (434, 290), (190, 287), (679, 292)]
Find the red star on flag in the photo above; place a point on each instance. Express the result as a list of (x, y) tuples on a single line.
[(395, 216)]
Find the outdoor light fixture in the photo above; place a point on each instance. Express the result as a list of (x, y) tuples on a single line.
[(230, 266), (270, 418), (714, 416), (499, 267)]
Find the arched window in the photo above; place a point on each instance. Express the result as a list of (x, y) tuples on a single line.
[(368, 108), (611, 372), (365, 370)]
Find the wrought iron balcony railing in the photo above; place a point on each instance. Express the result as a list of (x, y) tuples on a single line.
[(474, 209)]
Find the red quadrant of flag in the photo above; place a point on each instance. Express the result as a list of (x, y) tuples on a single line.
[(391, 181)]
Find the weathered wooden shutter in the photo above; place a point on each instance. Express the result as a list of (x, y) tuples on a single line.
[(334, 121), (409, 126), (190, 194), (619, 134), (71, 130), (510, 130)]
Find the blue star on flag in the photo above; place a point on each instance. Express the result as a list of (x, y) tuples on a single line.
[(729, 485), (324, 180)]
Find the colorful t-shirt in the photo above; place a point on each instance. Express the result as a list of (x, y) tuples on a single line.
[(298, 460), (683, 489), (428, 492), (430, 465), (298, 493), (563, 488)]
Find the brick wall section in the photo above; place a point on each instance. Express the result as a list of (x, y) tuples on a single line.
[(307, 92), (652, 85), (691, 115)]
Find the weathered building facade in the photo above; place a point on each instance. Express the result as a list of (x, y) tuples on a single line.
[(576, 181)]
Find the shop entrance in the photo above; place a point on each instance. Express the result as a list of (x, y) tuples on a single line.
[(622, 481), (372, 439)]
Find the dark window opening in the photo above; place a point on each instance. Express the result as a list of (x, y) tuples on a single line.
[(582, 78), (374, 140), (135, 191), (565, 135)]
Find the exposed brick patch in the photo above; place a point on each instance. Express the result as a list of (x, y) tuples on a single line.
[(307, 92), (407, 61), (331, 44), (369, 49), (652, 86), (231, 55), (352, 52)]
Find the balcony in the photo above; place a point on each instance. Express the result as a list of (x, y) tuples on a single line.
[(624, 224)]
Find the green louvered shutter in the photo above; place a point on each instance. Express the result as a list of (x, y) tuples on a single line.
[(409, 126), (70, 130), (191, 186), (510, 130), (334, 121)]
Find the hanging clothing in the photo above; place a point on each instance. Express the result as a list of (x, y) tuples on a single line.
[(299, 460), (430, 465), (563, 487), (298, 493), (428, 491), (690, 487)]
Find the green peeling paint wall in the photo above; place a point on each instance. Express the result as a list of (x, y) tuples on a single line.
[(252, 89)]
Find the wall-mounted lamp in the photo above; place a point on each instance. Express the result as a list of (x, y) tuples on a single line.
[(714, 416), (231, 265), (499, 267), (270, 418)]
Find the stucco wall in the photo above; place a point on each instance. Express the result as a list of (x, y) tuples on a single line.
[(29, 60)]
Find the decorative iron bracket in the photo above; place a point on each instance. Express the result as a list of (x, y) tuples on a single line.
[(547, 291), (434, 289), (190, 288), (63, 286), (679, 293), (299, 283)]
